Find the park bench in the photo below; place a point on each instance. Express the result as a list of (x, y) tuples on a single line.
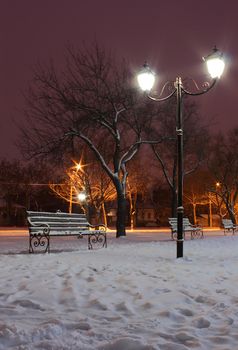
[(194, 230), (228, 226), (43, 225)]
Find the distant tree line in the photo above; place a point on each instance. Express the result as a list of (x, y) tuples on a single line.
[(38, 185), (25, 186)]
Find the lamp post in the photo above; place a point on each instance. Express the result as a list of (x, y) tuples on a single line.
[(146, 79), (74, 170)]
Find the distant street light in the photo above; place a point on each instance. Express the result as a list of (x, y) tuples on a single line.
[(146, 79), (82, 196), (78, 166), (218, 184), (73, 171)]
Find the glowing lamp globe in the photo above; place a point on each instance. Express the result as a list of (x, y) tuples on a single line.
[(146, 78), (81, 196), (215, 63)]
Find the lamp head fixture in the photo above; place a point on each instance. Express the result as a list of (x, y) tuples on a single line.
[(215, 63), (215, 66), (146, 78)]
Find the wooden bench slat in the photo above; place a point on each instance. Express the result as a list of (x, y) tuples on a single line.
[(60, 228), (47, 218), (58, 222), (58, 213)]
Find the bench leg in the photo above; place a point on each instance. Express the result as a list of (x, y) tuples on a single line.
[(38, 240), (89, 243), (30, 245), (173, 235), (97, 239), (105, 242), (197, 234)]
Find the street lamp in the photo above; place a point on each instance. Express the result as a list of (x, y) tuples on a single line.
[(146, 78), (218, 184), (82, 196)]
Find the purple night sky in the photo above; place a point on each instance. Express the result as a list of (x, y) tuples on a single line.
[(170, 35)]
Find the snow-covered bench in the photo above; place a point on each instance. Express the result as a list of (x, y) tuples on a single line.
[(229, 226), (195, 231), (43, 225)]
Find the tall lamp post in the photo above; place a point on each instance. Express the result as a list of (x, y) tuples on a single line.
[(146, 79)]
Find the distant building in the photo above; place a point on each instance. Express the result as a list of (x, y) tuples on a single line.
[(146, 215)]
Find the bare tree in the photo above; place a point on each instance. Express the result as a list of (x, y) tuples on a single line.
[(223, 165), (87, 179), (91, 100)]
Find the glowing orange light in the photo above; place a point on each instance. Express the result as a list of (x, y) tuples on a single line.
[(77, 166)]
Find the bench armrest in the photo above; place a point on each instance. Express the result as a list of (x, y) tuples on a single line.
[(196, 226), (101, 227), (43, 225)]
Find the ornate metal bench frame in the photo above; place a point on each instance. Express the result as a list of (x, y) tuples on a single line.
[(40, 233)]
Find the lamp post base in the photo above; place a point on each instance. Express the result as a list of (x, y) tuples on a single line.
[(180, 248)]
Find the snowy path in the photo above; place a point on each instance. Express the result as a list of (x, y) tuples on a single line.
[(134, 295), (16, 240)]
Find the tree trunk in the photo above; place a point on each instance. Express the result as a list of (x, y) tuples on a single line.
[(210, 212), (70, 199), (121, 215), (104, 214), (194, 214), (132, 209), (133, 220), (231, 213)]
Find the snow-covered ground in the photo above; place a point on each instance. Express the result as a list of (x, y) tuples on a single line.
[(134, 295)]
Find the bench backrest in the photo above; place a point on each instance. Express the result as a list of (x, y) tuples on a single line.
[(227, 223), (58, 220), (173, 221)]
